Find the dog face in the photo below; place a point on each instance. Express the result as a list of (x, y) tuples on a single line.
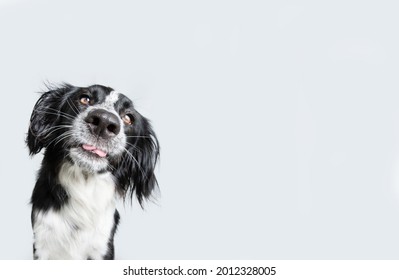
[(99, 130)]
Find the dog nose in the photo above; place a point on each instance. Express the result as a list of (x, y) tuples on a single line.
[(103, 123)]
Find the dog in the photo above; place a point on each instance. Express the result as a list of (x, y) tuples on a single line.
[(97, 148)]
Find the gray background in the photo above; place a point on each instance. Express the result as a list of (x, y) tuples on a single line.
[(278, 121)]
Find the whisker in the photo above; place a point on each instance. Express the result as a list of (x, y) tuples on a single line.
[(110, 166), (58, 111), (73, 107), (138, 136), (66, 135), (62, 136), (134, 147), (56, 114), (135, 160), (58, 127), (70, 142)]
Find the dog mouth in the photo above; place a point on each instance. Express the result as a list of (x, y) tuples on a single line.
[(94, 150)]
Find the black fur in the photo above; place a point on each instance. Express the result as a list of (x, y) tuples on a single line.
[(132, 177)]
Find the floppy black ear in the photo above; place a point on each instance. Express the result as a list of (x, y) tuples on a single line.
[(134, 172), (45, 116)]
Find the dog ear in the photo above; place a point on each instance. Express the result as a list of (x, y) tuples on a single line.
[(134, 172), (45, 116)]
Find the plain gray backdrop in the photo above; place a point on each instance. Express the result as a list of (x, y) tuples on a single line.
[(278, 121)]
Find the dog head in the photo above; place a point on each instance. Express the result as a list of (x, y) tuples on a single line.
[(99, 130)]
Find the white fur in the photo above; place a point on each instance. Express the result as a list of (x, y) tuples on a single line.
[(82, 227), (111, 98)]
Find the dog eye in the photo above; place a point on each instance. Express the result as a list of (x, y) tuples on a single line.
[(85, 100), (127, 119)]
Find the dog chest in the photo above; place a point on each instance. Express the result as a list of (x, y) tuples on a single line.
[(82, 227)]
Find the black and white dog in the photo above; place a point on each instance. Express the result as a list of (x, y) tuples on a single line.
[(97, 148)]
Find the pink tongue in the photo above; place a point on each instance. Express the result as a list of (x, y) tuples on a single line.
[(93, 149)]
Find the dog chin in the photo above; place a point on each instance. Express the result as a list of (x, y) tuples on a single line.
[(88, 161)]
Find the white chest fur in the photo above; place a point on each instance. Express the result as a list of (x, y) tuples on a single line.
[(82, 227)]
